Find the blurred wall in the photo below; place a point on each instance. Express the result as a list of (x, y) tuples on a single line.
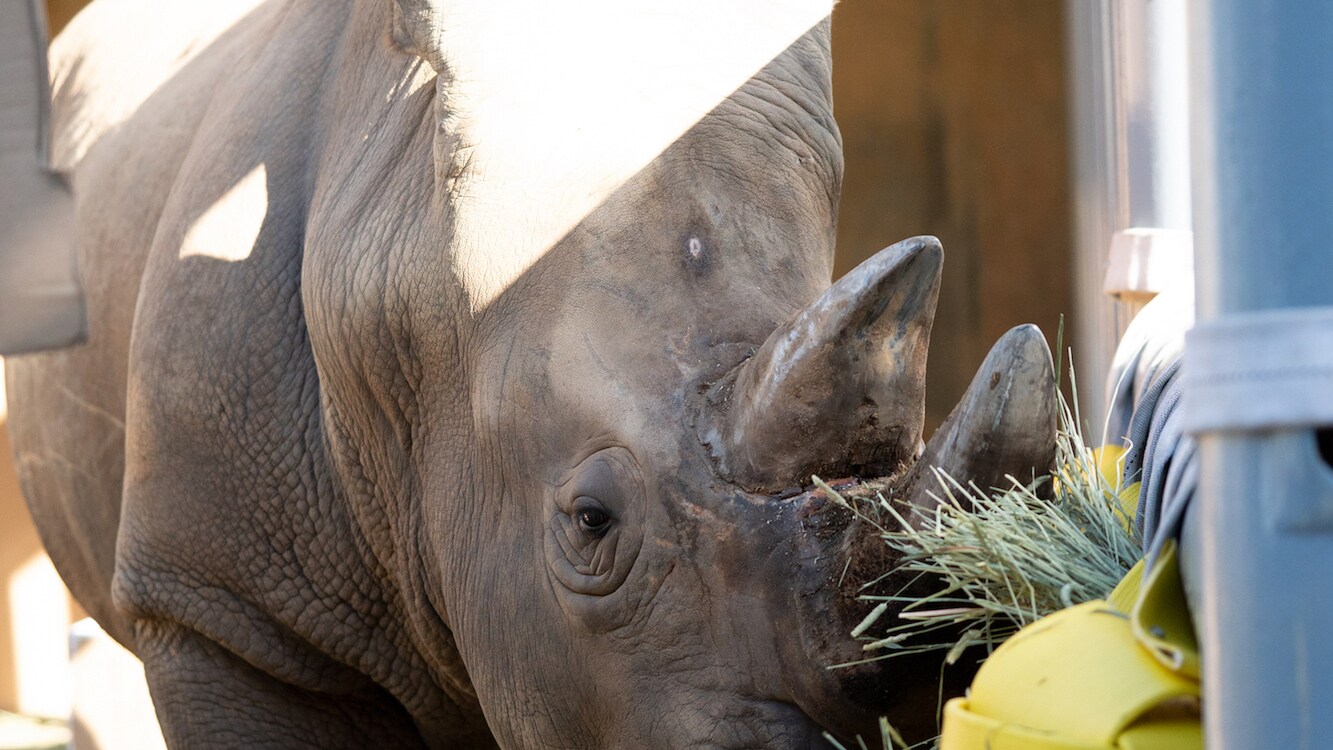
[(35, 608), (953, 117), (58, 13)]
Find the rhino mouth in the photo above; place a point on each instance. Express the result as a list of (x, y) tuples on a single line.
[(784, 726), (839, 391)]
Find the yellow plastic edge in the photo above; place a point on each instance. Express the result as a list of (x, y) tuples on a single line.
[(966, 730), (1149, 660), (1160, 619), (1077, 678)]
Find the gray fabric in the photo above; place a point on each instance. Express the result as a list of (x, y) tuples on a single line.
[(1153, 341), (1146, 413), (1165, 465), (41, 304)]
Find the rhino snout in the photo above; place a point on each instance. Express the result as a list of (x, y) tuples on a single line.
[(839, 391)]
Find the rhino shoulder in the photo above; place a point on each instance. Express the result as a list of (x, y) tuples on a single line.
[(104, 67)]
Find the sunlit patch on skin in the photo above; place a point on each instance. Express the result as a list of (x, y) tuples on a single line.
[(612, 93), (228, 229), (180, 32)]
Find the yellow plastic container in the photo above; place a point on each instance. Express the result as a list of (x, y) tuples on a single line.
[(1116, 673)]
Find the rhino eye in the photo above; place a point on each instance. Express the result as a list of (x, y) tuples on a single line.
[(592, 519), (594, 532)]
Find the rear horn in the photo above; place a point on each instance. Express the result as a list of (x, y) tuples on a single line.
[(1005, 422)]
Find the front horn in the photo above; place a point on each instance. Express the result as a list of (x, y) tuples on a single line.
[(839, 389)]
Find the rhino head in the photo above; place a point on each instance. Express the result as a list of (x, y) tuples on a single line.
[(618, 527), (686, 584)]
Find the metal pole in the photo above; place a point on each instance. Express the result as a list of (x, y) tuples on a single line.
[(1151, 251), (1099, 320), (1129, 88), (1259, 367), (1153, 87)]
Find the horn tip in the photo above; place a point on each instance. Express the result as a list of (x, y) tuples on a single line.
[(925, 250), (1026, 343), (1005, 422)]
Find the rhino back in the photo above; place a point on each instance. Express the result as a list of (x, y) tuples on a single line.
[(198, 392), (121, 146)]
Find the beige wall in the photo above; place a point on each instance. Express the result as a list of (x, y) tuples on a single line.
[(18, 542), (35, 608), (953, 116), (17, 547)]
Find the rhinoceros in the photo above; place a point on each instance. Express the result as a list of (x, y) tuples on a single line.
[(457, 372)]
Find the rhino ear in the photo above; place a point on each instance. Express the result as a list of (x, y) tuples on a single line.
[(417, 30)]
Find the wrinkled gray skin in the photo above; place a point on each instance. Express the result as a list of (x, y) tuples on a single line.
[(330, 505)]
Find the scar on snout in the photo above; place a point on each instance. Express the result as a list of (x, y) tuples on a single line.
[(695, 247)]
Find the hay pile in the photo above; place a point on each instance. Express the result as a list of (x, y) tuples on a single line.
[(994, 559)]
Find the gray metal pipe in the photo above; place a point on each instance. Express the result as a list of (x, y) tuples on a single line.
[(1153, 88), (1131, 176), (1151, 253), (1262, 97)]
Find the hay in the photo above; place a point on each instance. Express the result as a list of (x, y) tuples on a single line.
[(888, 738), (996, 560)]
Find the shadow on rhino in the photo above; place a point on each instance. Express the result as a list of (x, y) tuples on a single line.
[(336, 495)]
